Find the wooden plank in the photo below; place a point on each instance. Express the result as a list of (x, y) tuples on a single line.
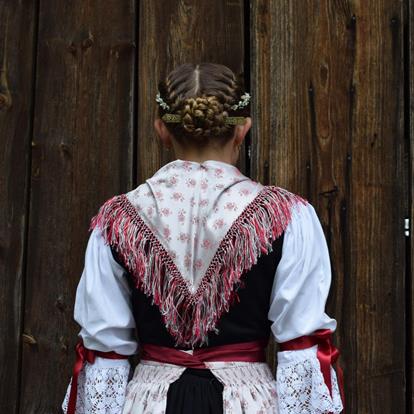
[(294, 54), (82, 155), (409, 88), (17, 34), (377, 207), (170, 34), (327, 77)]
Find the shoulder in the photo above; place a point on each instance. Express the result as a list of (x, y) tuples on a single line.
[(299, 213), (110, 211), (285, 202), (304, 224), (273, 208), (282, 194)]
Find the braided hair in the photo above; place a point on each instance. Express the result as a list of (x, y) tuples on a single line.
[(202, 94)]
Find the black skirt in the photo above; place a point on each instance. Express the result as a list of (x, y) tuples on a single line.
[(196, 391)]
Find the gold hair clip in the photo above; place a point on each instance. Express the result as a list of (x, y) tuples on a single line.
[(230, 120)]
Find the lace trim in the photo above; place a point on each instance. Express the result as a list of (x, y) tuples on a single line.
[(100, 390), (249, 387), (302, 389), (190, 317)]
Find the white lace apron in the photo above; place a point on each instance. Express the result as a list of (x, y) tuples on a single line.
[(249, 387)]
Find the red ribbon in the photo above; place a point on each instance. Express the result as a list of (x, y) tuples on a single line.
[(84, 354), (253, 351), (327, 354)]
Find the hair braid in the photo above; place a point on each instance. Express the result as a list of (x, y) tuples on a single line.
[(202, 94)]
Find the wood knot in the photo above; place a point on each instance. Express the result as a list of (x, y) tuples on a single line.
[(63, 344), (72, 48), (65, 148), (60, 303), (5, 101), (87, 43), (29, 339)]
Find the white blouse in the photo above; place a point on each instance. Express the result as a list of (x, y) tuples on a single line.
[(297, 307)]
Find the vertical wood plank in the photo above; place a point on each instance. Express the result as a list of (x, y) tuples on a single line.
[(328, 82), (377, 207), (409, 113), (82, 155), (17, 49), (170, 34)]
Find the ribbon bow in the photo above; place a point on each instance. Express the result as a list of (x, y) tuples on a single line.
[(327, 354), (84, 354)]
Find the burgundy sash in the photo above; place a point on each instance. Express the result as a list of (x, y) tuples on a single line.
[(84, 354), (253, 351), (327, 354)]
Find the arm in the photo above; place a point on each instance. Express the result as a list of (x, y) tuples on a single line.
[(102, 309), (306, 380)]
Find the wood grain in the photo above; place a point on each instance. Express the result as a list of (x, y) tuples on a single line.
[(328, 81), (17, 49), (333, 120), (170, 34), (409, 133), (376, 208), (81, 155)]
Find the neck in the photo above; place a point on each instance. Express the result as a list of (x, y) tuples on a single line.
[(227, 153)]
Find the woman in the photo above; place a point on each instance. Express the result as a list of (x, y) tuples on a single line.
[(195, 269)]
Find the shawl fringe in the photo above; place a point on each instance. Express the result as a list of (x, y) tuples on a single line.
[(189, 317)]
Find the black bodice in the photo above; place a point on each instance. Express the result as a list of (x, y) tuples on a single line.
[(246, 320)]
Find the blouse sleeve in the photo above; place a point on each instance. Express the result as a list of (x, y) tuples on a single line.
[(103, 311), (297, 310)]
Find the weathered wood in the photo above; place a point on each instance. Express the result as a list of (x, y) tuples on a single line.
[(17, 31), (176, 32), (376, 207), (328, 84), (409, 114), (82, 154)]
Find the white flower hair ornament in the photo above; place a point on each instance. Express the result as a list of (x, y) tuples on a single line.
[(245, 99), (161, 102), (231, 120)]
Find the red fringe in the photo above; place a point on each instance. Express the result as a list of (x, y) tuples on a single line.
[(190, 317)]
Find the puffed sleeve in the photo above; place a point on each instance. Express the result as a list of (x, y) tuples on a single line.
[(297, 312), (103, 311)]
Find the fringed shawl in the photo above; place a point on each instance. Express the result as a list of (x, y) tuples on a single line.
[(191, 310)]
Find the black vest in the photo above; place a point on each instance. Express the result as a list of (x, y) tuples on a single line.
[(246, 320)]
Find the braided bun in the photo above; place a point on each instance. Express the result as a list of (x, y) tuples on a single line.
[(203, 116), (202, 95)]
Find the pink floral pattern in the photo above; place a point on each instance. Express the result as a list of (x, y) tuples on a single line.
[(181, 215), (148, 388), (249, 388), (177, 196), (165, 212), (218, 224), (207, 244), (191, 293), (189, 200), (230, 206)]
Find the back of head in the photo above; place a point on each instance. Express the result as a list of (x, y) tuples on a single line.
[(202, 95)]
